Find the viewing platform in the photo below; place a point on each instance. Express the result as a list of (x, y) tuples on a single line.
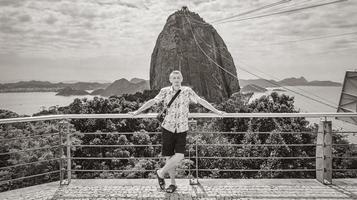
[(206, 189), (68, 186)]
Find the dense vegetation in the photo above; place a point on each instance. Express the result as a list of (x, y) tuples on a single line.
[(248, 132)]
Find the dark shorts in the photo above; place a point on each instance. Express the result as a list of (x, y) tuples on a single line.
[(173, 142)]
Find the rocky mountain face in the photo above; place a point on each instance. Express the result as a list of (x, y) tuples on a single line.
[(177, 49)]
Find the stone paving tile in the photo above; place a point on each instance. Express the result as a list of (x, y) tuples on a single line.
[(37, 192), (108, 189)]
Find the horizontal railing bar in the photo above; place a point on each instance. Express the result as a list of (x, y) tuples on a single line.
[(192, 157), (266, 132), (343, 131), (16, 179), (117, 145), (30, 150), (344, 169), (193, 169), (204, 132), (263, 170), (190, 115), (117, 170), (343, 144), (226, 145), (23, 164), (262, 157), (257, 132), (114, 158), (353, 157), (263, 145), (115, 133), (34, 136)]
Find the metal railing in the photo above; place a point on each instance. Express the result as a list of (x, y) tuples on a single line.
[(323, 145)]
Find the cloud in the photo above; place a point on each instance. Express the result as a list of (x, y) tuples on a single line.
[(344, 43), (51, 20), (128, 29), (8, 29), (12, 3), (24, 18)]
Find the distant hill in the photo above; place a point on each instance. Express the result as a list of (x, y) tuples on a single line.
[(324, 83), (46, 86), (136, 80), (118, 87), (97, 92), (260, 82), (287, 82), (68, 91), (123, 86), (294, 81), (252, 88)]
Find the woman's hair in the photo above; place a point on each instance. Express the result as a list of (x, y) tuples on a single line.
[(176, 72)]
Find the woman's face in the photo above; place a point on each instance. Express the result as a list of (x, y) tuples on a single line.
[(175, 79)]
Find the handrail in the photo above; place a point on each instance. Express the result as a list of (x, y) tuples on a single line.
[(28, 137), (209, 170), (31, 176), (190, 115), (224, 145), (203, 132), (199, 157), (68, 157), (34, 149), (29, 163)]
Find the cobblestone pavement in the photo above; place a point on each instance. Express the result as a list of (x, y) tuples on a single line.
[(43, 191), (107, 189)]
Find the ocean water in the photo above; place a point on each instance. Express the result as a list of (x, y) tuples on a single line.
[(33, 102), (308, 99), (30, 103), (304, 95)]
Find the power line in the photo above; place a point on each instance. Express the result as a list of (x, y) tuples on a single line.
[(288, 88), (265, 74), (283, 12), (252, 11), (295, 4), (246, 12), (196, 42), (334, 51), (194, 37), (332, 103), (242, 14), (312, 38), (197, 21)]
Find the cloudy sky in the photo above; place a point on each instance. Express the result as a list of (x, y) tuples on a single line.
[(105, 40)]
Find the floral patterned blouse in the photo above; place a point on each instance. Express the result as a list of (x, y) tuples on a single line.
[(176, 119)]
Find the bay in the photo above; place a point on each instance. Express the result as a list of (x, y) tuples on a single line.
[(28, 103), (33, 102), (316, 99)]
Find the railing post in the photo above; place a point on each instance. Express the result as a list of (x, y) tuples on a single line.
[(69, 163), (64, 124), (61, 151), (196, 161), (324, 152), (193, 127)]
